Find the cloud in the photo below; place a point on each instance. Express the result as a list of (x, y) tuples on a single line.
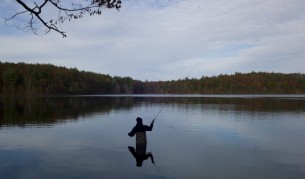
[(164, 40)]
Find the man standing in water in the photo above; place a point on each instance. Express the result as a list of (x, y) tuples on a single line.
[(140, 130), (141, 141)]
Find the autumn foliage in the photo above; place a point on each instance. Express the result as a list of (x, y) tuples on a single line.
[(47, 79)]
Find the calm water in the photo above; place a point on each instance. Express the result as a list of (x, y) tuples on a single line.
[(193, 137)]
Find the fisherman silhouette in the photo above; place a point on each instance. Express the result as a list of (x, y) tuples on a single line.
[(140, 130), (141, 142)]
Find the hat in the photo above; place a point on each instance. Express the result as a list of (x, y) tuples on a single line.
[(139, 119)]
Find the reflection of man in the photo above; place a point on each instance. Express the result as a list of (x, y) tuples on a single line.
[(140, 154), (141, 142)]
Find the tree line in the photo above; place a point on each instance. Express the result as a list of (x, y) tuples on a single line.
[(48, 79)]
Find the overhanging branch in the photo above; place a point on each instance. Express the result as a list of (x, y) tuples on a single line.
[(72, 11)]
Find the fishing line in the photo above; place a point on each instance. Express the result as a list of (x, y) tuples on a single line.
[(173, 94), (192, 70), (160, 173)]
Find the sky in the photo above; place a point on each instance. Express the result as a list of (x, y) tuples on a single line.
[(170, 39)]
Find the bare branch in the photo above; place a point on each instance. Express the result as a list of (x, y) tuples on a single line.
[(74, 10), (65, 12), (15, 15)]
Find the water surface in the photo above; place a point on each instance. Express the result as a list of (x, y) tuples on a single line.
[(194, 137)]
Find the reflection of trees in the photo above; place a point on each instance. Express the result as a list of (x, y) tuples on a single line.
[(271, 105), (259, 104), (49, 110)]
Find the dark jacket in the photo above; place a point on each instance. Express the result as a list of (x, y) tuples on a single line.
[(141, 128)]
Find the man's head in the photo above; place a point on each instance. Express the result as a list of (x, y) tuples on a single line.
[(139, 120)]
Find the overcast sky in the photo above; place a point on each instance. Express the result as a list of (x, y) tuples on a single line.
[(170, 39)]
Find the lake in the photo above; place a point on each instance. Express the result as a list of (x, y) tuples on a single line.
[(195, 136)]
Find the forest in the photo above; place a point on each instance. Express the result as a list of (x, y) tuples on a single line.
[(48, 79)]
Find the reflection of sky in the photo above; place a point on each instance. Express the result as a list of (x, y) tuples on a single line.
[(240, 139), (187, 142)]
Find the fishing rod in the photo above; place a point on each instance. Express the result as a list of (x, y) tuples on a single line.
[(173, 94), (159, 111)]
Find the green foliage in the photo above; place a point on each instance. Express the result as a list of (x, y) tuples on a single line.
[(47, 79)]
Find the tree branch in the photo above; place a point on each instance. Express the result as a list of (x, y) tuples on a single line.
[(15, 15), (91, 7)]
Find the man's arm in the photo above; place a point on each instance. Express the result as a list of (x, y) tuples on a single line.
[(151, 157), (151, 126), (133, 132), (132, 151)]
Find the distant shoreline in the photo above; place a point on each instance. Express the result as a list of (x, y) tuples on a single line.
[(170, 95), (50, 80)]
